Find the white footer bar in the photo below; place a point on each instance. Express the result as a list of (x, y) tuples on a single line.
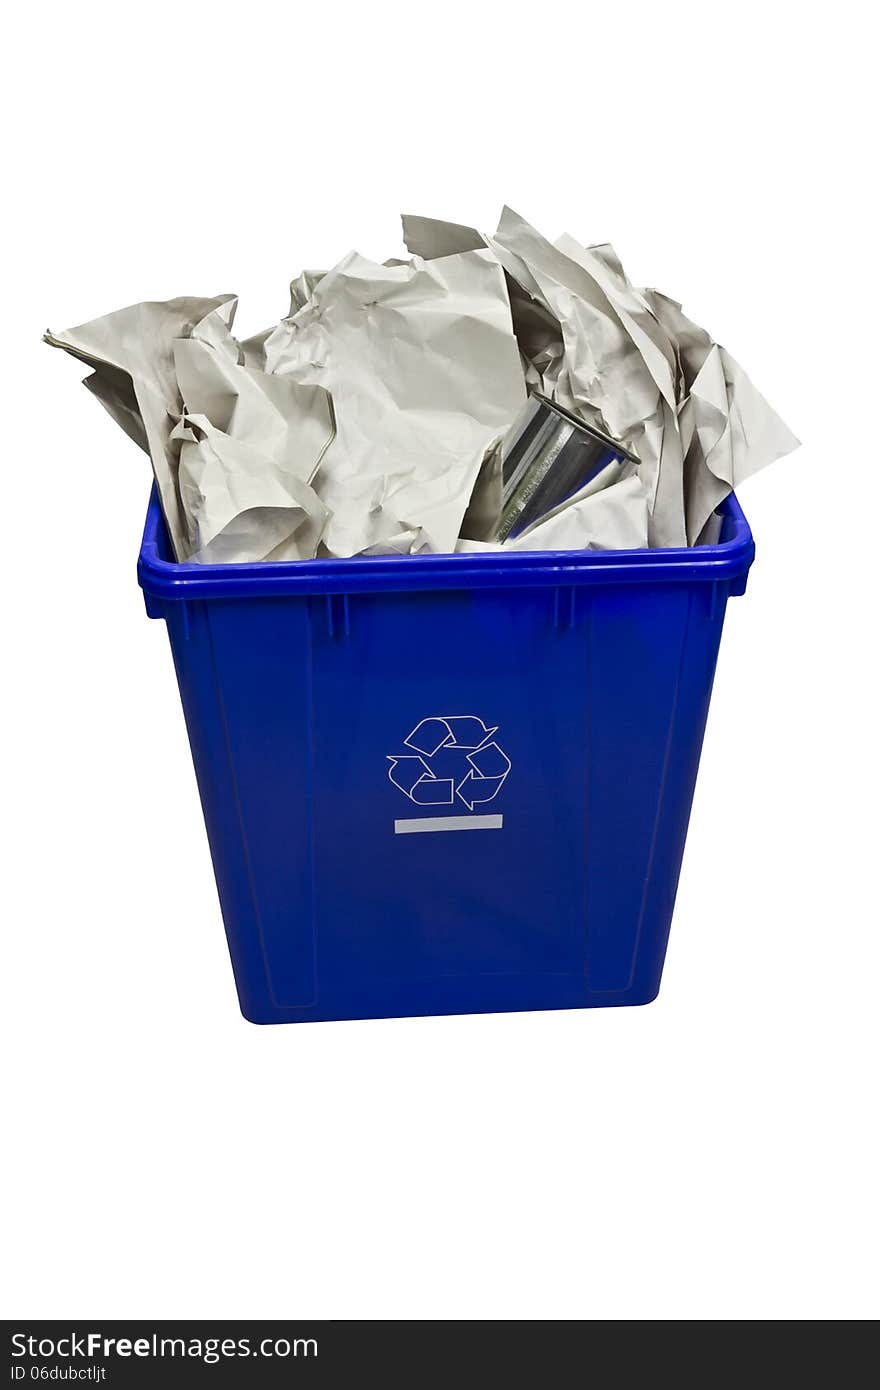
[(427, 823)]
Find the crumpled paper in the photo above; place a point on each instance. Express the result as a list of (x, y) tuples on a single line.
[(631, 362), (372, 419), (424, 372), (233, 448)]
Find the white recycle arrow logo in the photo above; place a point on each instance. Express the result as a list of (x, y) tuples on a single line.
[(484, 765)]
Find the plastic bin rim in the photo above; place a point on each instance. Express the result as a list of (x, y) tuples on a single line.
[(166, 579)]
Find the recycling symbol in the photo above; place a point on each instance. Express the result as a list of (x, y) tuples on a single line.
[(453, 756)]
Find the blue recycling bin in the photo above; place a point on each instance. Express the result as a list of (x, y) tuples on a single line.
[(446, 783)]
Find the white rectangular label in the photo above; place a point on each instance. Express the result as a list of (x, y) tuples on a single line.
[(428, 823)]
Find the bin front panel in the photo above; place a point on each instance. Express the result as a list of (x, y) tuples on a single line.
[(452, 800), (472, 894)]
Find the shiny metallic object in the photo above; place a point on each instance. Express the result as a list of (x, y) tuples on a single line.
[(549, 455)]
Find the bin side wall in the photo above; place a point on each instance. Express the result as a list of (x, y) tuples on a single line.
[(373, 860)]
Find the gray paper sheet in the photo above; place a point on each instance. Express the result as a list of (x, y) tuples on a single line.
[(630, 361), (372, 420), (424, 371)]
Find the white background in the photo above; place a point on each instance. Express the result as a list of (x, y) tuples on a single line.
[(711, 1156)]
